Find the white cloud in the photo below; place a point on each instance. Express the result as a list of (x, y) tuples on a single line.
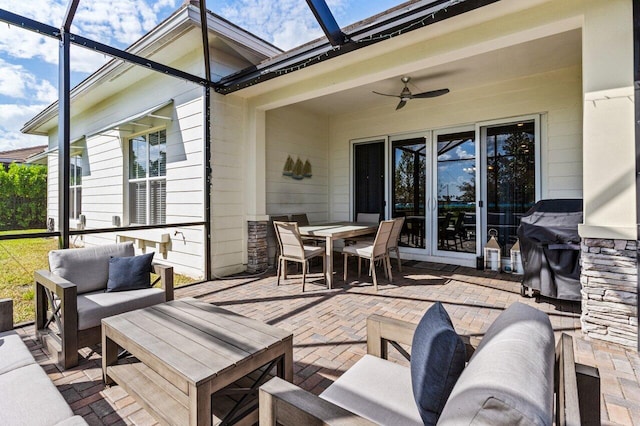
[(285, 23), (13, 117), (17, 82), (462, 154), (115, 22)]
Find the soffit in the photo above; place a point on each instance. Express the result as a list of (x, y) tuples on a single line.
[(534, 57)]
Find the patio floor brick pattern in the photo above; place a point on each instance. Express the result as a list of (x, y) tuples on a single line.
[(330, 333)]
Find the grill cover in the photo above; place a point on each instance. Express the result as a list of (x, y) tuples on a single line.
[(550, 247)]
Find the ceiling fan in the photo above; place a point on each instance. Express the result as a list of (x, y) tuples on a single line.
[(406, 94)]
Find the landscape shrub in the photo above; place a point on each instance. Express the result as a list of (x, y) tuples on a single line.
[(23, 197)]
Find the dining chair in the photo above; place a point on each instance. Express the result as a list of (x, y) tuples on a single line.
[(372, 251), (292, 249), (394, 239), (272, 239), (364, 218), (368, 217), (301, 219)]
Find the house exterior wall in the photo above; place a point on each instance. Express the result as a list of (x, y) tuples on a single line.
[(556, 95), (300, 134), (304, 135), (228, 185), (106, 155)]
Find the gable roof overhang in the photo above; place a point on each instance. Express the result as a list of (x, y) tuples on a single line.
[(430, 52), (407, 17), (183, 23)]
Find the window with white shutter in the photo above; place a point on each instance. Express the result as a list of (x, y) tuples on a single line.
[(147, 178)]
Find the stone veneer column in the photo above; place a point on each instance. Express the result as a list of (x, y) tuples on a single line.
[(609, 290), (257, 259)]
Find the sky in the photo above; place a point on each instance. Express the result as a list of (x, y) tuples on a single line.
[(29, 62)]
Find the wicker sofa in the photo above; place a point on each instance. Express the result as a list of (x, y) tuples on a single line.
[(511, 377)]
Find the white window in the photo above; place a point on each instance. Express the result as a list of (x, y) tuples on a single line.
[(147, 178), (75, 187)]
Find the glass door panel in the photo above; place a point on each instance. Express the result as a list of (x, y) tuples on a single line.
[(409, 163), (511, 178), (456, 192)]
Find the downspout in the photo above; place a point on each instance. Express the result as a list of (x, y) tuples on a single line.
[(64, 123), (636, 84), (207, 141)]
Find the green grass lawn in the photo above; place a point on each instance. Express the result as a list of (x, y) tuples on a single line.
[(19, 259)]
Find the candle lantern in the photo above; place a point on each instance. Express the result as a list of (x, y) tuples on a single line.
[(516, 259), (492, 255)]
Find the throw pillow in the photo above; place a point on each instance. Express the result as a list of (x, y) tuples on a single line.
[(129, 273), (437, 360)]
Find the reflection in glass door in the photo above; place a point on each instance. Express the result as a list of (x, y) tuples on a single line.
[(409, 163), (456, 192), (511, 178)]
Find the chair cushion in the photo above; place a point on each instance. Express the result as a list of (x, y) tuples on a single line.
[(87, 268), (437, 359), (378, 390), (310, 251), (129, 273), (13, 352), (509, 379), (92, 307), (28, 397)]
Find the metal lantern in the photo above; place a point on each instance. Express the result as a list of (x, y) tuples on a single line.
[(492, 257), (516, 259)]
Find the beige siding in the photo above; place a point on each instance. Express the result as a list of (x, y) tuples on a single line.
[(228, 225), (300, 134), (556, 95)]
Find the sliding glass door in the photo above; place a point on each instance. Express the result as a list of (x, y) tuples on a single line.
[(455, 190), (408, 188), (454, 185), (511, 187)]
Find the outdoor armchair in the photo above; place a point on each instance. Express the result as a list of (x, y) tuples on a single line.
[(71, 299), (511, 376)]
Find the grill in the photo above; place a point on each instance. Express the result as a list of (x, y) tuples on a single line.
[(550, 247)]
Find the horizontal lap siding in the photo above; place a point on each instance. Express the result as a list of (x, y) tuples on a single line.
[(228, 207), (556, 94), (300, 134)]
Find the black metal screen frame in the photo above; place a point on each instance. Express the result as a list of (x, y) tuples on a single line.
[(66, 39)]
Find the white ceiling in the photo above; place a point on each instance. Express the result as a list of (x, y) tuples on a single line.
[(539, 56)]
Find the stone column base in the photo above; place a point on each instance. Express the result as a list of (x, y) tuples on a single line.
[(257, 259), (609, 290)]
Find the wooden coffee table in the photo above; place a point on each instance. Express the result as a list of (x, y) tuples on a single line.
[(185, 351)]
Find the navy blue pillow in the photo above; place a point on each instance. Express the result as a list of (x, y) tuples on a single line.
[(437, 360), (129, 273)]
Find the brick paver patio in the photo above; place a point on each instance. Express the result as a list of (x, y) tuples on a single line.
[(329, 331)]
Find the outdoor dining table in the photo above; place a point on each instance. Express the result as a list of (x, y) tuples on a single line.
[(335, 231)]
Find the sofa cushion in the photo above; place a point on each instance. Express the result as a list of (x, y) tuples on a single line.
[(129, 273), (378, 390), (437, 358), (13, 352), (72, 421), (92, 307), (509, 379), (28, 397), (87, 268)]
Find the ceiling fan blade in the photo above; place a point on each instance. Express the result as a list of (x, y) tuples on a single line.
[(401, 104), (384, 94), (431, 94)]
